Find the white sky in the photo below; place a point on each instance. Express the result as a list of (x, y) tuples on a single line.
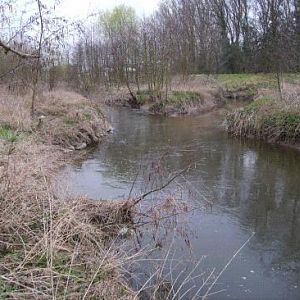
[(82, 8)]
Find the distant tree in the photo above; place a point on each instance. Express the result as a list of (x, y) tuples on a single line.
[(32, 42)]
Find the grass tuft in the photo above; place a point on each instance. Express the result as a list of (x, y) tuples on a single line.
[(7, 134)]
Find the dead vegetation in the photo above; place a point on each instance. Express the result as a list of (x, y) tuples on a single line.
[(52, 247), (15, 109)]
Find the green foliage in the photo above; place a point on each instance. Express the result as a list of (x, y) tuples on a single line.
[(116, 20), (5, 289), (7, 134)]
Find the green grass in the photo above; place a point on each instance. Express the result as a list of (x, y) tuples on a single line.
[(87, 116), (286, 122), (256, 105), (234, 82), (177, 98), (7, 134), (5, 289), (61, 264), (180, 98), (142, 97), (265, 119)]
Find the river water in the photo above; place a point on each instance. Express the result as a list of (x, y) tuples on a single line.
[(255, 187)]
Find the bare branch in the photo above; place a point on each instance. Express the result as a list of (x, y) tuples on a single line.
[(142, 197), (19, 53)]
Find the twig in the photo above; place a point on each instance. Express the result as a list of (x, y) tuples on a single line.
[(226, 266), (142, 197)]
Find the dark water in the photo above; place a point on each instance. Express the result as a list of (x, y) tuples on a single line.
[(254, 188)]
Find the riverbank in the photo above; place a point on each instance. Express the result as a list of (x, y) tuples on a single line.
[(269, 118), (191, 96), (198, 94), (53, 246)]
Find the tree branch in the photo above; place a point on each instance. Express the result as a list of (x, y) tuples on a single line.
[(19, 53), (142, 197)]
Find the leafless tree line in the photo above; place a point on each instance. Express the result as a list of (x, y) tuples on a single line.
[(182, 37), (188, 37)]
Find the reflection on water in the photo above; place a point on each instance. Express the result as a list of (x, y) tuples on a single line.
[(254, 187)]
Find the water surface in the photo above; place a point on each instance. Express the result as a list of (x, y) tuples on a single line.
[(254, 187)]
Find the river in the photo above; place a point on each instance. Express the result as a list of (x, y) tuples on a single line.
[(254, 187)]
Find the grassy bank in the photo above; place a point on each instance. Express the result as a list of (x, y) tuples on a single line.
[(189, 96), (250, 86), (53, 246), (269, 119), (179, 102)]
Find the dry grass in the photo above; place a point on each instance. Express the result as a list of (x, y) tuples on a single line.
[(15, 110), (52, 247), (71, 120), (291, 97)]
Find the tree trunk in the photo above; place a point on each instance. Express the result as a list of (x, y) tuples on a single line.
[(297, 15)]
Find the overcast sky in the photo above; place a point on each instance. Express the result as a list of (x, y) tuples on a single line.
[(81, 8)]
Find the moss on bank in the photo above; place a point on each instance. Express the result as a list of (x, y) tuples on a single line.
[(266, 119)]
